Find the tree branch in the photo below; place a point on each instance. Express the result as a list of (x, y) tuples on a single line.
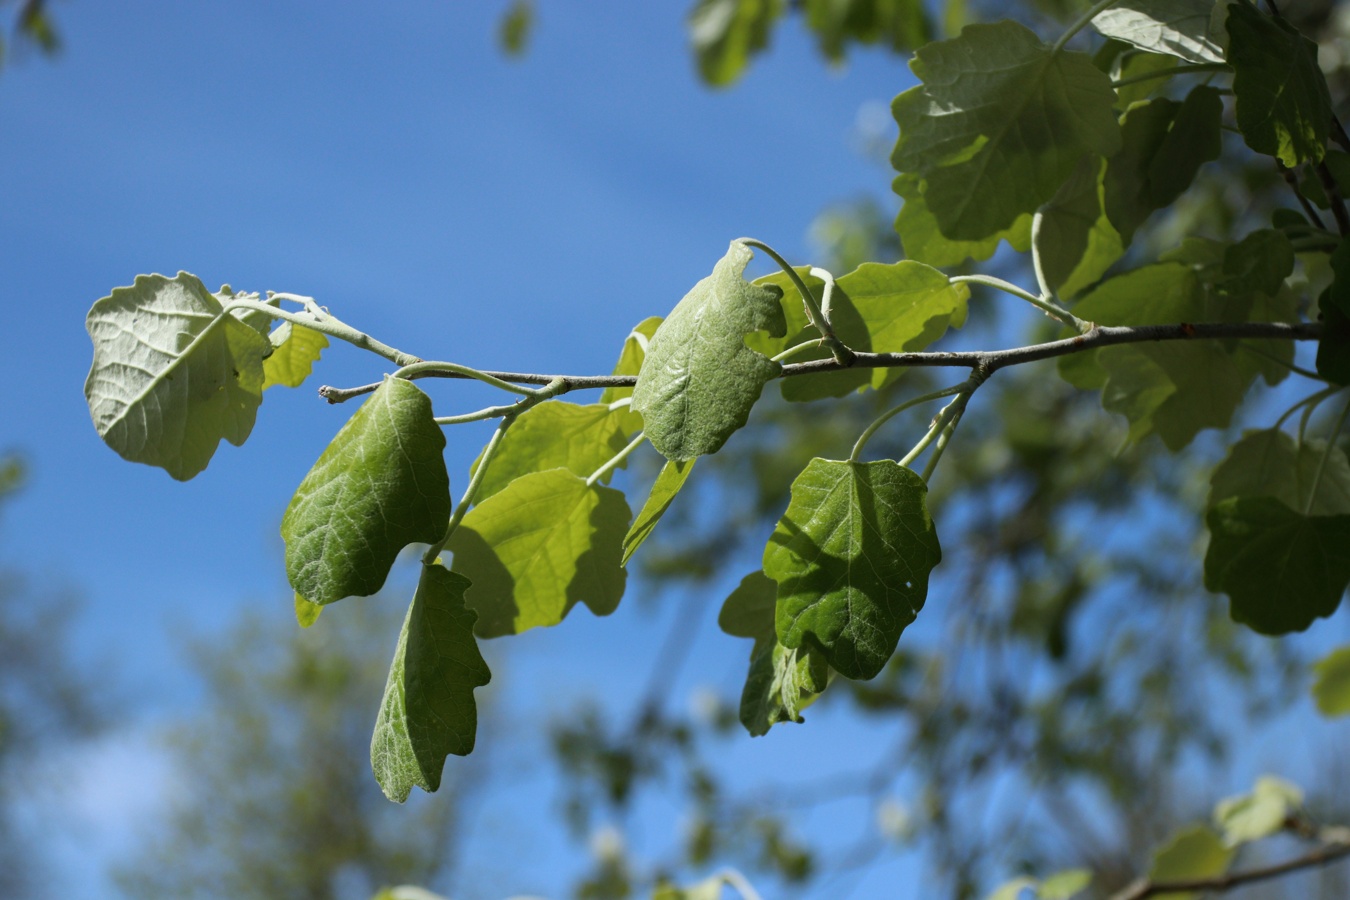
[(992, 360), (1319, 856)]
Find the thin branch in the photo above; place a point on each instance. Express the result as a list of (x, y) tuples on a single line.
[(1291, 179), (1097, 336), (1320, 856)]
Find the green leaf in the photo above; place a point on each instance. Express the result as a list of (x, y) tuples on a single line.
[(781, 681), (726, 33), (1196, 852), (667, 485), (1076, 242), (1331, 690), (306, 613), (1260, 814), (1270, 463), (171, 374), (851, 557), (1180, 28), (1163, 145), (1261, 261), (514, 31), (379, 486), (1012, 890), (1279, 568), (295, 350), (1064, 885), (1283, 105), (899, 25), (538, 547), (699, 380), (924, 242), (555, 435), (1130, 66), (631, 356), (1333, 351), (428, 711), (708, 889), (998, 124)]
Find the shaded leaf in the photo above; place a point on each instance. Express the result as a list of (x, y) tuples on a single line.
[(1260, 814), (726, 33), (295, 350), (1283, 105), (1333, 351), (428, 710), (631, 356), (171, 375), (379, 486), (554, 435), (1270, 463), (668, 483), (851, 557), (1180, 28), (924, 242), (1196, 852), (1331, 690), (538, 547), (1279, 568), (699, 380), (998, 124), (1076, 242)]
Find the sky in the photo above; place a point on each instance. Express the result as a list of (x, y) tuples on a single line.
[(394, 164)]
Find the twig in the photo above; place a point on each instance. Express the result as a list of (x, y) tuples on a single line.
[(1320, 856), (1097, 336), (1291, 179)]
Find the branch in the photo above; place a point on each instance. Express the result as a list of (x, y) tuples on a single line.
[(992, 360), (1319, 856)]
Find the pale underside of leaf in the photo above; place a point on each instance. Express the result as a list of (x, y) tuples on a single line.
[(1179, 28)]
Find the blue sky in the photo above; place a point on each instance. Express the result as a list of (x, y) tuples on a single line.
[(393, 164)]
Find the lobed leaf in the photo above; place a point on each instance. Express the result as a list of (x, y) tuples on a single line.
[(295, 349), (851, 557), (998, 125), (699, 380), (923, 241), (1280, 569), (172, 375), (379, 486), (428, 710), (538, 547), (668, 483), (1283, 104), (1179, 28)]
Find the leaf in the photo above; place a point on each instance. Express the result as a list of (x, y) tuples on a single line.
[(899, 25), (1270, 463), (1331, 690), (1163, 145), (296, 349), (1130, 66), (1260, 814), (379, 486), (1279, 568), (171, 375), (1196, 852), (726, 33), (306, 613), (1180, 28), (998, 124), (1076, 242), (924, 242), (631, 356), (781, 681), (1333, 351), (1012, 890), (1283, 105), (699, 380), (428, 711), (707, 889), (1261, 261), (851, 557), (554, 435), (668, 483), (538, 547), (513, 33), (1064, 885)]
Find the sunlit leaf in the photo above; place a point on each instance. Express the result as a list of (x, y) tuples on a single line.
[(896, 24), (296, 349), (851, 557), (379, 486), (631, 356), (1180, 28), (699, 380), (554, 435), (171, 375), (726, 33), (1196, 852), (428, 711), (1064, 885), (306, 613), (924, 242), (998, 124), (1251, 817), (539, 546), (1280, 569), (668, 483), (1331, 690)]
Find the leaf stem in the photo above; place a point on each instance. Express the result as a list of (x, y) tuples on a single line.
[(1044, 304), (1297, 370), (942, 442), (327, 323), (1082, 22), (1042, 281), (465, 501), (939, 423), (1169, 72), (793, 351), (421, 368), (895, 411), (616, 460), (1313, 399), (1326, 455), (842, 354)]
